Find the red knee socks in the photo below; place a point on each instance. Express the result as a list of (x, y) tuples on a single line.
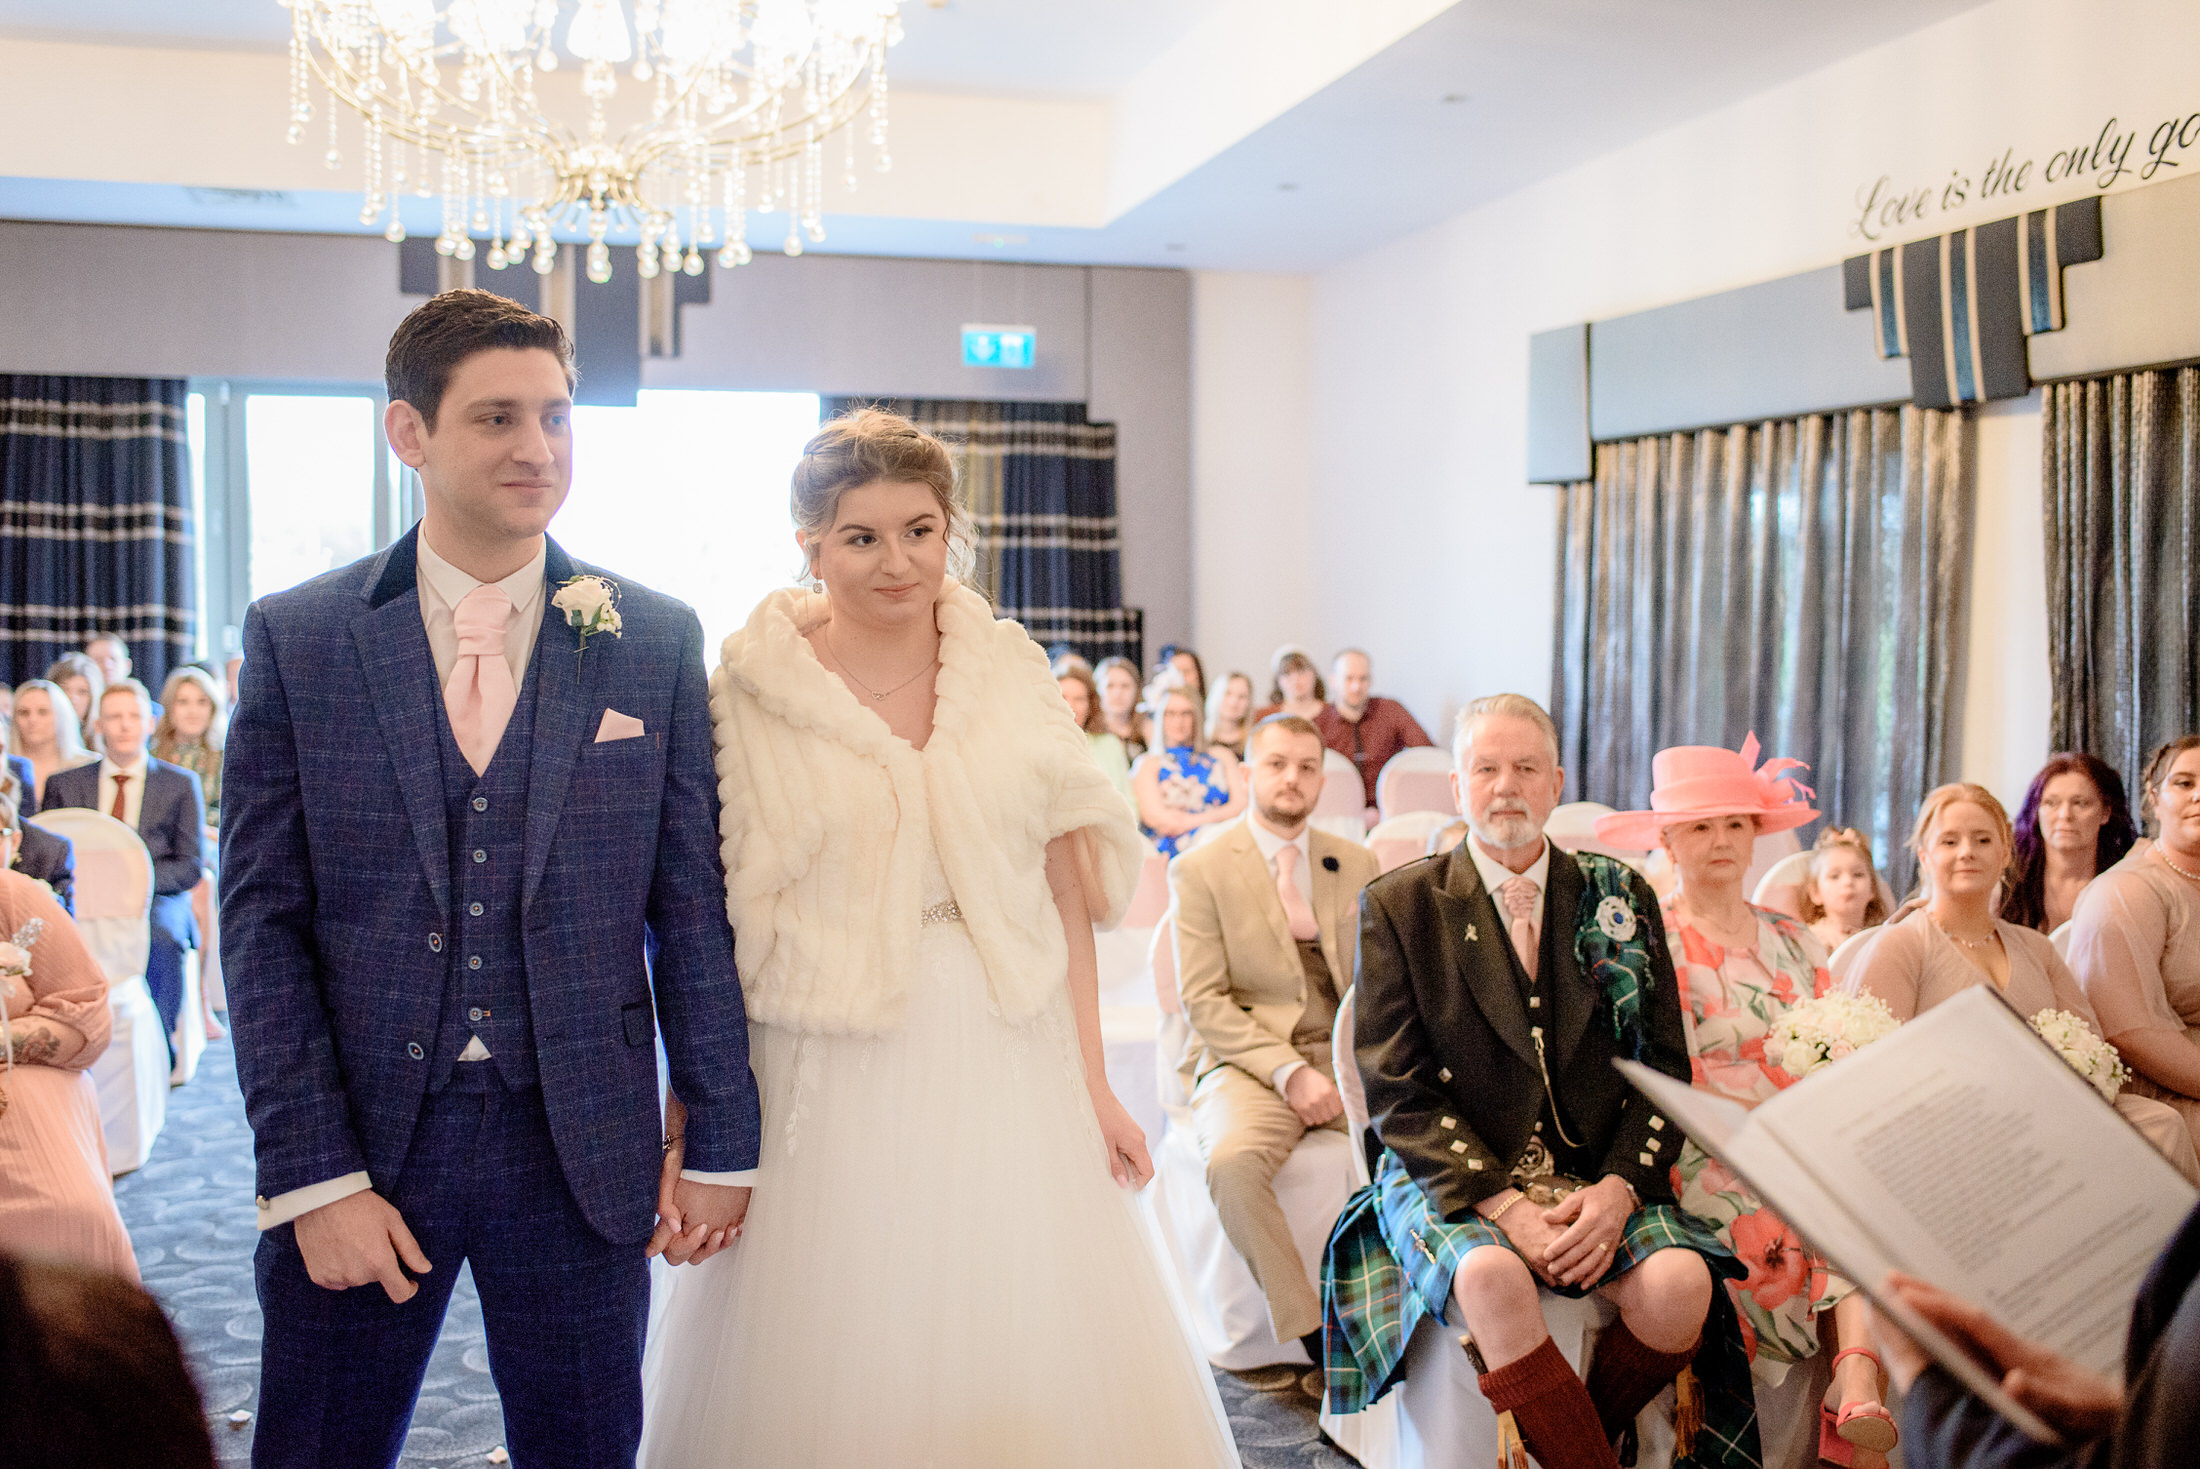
[(1555, 1412), (1625, 1375)]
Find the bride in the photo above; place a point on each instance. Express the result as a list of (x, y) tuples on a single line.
[(936, 1267)]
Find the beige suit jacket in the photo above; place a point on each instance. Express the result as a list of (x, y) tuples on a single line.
[(1237, 969)]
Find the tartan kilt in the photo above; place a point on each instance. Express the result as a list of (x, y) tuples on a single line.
[(1390, 1262)]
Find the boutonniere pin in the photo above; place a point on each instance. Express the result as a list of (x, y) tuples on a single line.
[(591, 606)]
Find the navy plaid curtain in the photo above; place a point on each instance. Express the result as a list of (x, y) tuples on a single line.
[(1040, 483), (95, 521)]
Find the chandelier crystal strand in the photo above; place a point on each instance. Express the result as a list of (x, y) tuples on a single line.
[(717, 87)]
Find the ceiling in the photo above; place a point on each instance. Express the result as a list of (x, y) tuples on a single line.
[(1046, 48), (1485, 99)]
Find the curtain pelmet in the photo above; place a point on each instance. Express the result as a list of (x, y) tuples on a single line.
[(1804, 579)]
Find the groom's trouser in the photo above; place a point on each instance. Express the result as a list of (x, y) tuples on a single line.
[(565, 1309)]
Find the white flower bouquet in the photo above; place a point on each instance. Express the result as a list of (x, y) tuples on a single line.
[(2078, 1043), (1814, 1032)]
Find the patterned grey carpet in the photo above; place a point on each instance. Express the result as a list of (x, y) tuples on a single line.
[(189, 1211)]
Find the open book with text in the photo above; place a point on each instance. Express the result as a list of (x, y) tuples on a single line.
[(1962, 1150)]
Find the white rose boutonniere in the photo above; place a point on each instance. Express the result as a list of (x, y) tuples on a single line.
[(590, 605)]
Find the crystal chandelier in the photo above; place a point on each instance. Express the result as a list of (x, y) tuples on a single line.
[(732, 102)]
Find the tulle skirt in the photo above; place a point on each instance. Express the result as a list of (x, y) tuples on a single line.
[(937, 1267)]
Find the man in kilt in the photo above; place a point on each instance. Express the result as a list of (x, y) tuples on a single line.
[(1496, 986)]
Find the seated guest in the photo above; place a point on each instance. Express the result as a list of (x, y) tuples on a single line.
[(1119, 712), (112, 655), (19, 770), (190, 731), (1741, 968), (1294, 687), (161, 802), (1362, 726), (1840, 894), (7, 701), (2074, 825), (1179, 787), (1515, 1158), (92, 1375), (1184, 663), (1954, 941), (77, 676), (55, 1195), (45, 733), (1266, 919), (2150, 1420), (1073, 675), (2135, 937), (45, 855), (1230, 714)]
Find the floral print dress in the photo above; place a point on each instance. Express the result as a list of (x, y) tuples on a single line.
[(1731, 997), (1190, 781)]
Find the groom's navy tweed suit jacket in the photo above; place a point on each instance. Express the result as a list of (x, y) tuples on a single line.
[(336, 879)]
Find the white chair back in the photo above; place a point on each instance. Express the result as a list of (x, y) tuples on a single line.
[(1574, 827), (1350, 1090), (1342, 793), (1400, 839), (1781, 888), (1152, 898), (1766, 854), (1416, 779), (114, 888)]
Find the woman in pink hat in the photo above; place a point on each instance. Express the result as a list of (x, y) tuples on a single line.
[(1740, 968)]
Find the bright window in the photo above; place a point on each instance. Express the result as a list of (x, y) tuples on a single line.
[(310, 464), (687, 493)]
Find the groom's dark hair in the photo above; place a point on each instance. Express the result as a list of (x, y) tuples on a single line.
[(430, 344)]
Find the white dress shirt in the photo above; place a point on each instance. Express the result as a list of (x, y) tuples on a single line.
[(442, 587), (133, 789), (1302, 878), (1496, 874)]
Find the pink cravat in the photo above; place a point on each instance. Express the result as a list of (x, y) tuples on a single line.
[(1295, 911), (480, 695), (1519, 895)]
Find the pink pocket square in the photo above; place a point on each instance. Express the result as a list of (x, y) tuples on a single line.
[(617, 726)]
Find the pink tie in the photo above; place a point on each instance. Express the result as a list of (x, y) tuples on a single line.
[(1519, 895), (480, 695), (1295, 911)]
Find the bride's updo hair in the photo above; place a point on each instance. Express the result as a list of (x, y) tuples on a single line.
[(869, 446)]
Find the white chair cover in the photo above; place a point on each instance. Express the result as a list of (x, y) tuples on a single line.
[(1403, 838), (1574, 827), (1437, 1418), (114, 897), (1788, 875), (1342, 793), (1768, 851), (1416, 779)]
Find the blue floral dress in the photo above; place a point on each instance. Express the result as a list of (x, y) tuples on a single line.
[(1190, 781)]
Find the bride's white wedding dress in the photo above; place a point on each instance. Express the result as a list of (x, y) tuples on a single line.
[(937, 1268)]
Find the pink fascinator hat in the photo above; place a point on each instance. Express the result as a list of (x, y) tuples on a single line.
[(1692, 782)]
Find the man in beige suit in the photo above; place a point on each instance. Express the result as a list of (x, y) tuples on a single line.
[(1266, 919)]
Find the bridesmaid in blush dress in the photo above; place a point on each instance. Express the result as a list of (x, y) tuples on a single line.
[(56, 1199)]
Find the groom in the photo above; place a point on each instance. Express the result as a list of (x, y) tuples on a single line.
[(469, 870)]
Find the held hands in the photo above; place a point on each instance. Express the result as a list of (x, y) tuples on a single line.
[(2074, 1401), (1313, 1096), (359, 1240), (1593, 1219), (694, 1220)]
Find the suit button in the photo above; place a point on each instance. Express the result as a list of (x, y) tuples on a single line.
[(476, 1013), (480, 856), (435, 943), (261, 1201), (413, 1050), (475, 910), (474, 962), (481, 803)]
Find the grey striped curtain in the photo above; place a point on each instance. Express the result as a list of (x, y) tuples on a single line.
[(1040, 483), (1805, 579), (95, 521), (2121, 499)]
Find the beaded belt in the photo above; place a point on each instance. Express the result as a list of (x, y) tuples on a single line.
[(947, 912)]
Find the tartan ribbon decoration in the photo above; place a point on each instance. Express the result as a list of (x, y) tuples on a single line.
[(1612, 948), (1961, 305), (95, 521), (1039, 480)]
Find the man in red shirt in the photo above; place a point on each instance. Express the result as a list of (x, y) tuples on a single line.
[(1364, 729)]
